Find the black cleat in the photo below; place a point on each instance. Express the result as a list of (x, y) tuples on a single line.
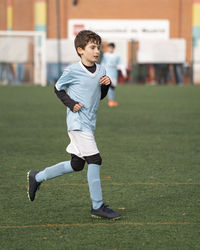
[(105, 212), (33, 185)]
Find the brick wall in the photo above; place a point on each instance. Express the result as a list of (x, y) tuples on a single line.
[(23, 15), (3, 20), (178, 12)]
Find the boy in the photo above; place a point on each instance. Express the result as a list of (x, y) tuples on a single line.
[(87, 84), (112, 62)]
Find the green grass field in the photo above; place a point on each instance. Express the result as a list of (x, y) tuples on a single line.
[(150, 147)]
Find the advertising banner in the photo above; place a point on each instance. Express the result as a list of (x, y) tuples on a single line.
[(121, 28)]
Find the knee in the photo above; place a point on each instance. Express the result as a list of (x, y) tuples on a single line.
[(77, 163), (94, 159)]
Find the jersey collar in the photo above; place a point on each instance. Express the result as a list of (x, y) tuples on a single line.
[(87, 71)]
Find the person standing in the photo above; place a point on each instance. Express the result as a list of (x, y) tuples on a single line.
[(112, 62)]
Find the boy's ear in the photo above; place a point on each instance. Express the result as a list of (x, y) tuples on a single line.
[(79, 50)]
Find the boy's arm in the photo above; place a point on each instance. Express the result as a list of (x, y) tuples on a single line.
[(65, 99), (104, 90)]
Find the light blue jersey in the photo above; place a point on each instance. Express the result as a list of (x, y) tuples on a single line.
[(83, 87), (111, 62)]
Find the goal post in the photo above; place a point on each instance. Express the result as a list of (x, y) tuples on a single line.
[(27, 48)]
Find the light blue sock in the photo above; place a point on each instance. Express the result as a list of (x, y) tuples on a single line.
[(111, 94), (54, 171), (94, 183)]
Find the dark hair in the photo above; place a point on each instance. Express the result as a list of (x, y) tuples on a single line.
[(85, 36), (111, 45)]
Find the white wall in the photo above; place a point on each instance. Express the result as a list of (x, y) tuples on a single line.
[(196, 65), (68, 52), (162, 51)]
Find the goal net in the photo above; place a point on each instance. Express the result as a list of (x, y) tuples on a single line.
[(23, 57)]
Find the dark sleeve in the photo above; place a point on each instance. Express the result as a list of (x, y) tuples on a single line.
[(104, 90), (65, 99)]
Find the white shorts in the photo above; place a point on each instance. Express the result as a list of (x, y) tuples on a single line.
[(82, 144)]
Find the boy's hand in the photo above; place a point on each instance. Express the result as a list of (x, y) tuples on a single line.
[(77, 107), (104, 80)]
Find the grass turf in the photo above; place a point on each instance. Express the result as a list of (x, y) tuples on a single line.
[(150, 147)]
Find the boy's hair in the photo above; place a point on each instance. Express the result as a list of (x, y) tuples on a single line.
[(85, 36), (111, 45)]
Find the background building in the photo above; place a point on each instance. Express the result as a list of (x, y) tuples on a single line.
[(57, 18)]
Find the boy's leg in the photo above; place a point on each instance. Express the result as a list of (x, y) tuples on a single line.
[(35, 178), (93, 176), (84, 144), (111, 93), (54, 171), (94, 183), (111, 97), (98, 210)]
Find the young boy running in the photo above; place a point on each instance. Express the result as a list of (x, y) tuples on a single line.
[(87, 84)]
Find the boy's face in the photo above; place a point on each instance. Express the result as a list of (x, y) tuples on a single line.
[(110, 49), (90, 54)]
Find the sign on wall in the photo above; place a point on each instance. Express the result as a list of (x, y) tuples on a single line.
[(120, 28)]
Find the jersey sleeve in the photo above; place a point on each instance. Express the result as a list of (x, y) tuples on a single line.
[(104, 88), (64, 81), (65, 99)]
